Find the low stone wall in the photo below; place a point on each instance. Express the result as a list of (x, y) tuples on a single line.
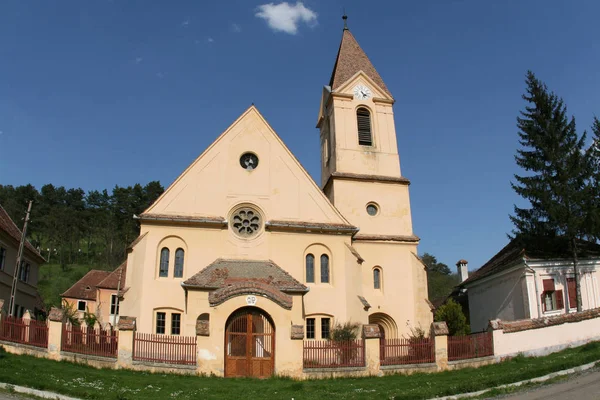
[(542, 336)]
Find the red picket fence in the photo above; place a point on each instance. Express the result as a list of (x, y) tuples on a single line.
[(406, 351), (330, 354), (18, 330), (95, 342), (164, 348), (470, 346)]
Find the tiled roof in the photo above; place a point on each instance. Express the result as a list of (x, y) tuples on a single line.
[(112, 280), (8, 226), (136, 241), (517, 249), (527, 324), (85, 288), (222, 273), (351, 59)]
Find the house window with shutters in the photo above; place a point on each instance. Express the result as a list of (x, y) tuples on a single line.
[(552, 299), (572, 292), (365, 134)]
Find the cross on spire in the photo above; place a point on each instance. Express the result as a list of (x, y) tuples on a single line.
[(345, 18)]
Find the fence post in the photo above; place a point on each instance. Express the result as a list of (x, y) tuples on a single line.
[(371, 336), (495, 326), (126, 327), (56, 319), (439, 331)]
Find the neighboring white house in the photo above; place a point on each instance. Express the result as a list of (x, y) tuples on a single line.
[(519, 283)]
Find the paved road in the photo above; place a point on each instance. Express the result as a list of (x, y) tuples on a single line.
[(6, 396), (585, 386)]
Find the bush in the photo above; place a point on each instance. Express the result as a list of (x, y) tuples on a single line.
[(343, 332), (451, 313)]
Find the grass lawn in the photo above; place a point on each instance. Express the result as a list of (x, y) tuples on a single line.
[(90, 383)]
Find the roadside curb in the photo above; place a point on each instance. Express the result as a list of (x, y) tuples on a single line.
[(35, 392), (520, 383)]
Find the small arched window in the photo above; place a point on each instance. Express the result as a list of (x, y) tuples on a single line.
[(363, 119), (164, 262), (310, 268), (324, 268), (179, 255), (377, 278)]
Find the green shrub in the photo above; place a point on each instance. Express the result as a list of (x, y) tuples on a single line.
[(451, 313)]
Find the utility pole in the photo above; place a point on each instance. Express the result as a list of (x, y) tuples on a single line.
[(118, 300), (13, 291)]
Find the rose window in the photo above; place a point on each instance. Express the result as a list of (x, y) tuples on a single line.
[(246, 222)]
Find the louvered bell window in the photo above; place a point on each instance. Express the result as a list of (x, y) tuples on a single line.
[(363, 118)]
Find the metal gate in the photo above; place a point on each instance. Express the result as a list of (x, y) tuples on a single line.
[(249, 344)]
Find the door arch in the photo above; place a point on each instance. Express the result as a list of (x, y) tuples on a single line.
[(249, 344)]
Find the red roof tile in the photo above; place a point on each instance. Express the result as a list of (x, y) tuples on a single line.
[(85, 288), (351, 59), (8, 226), (112, 280), (222, 273)]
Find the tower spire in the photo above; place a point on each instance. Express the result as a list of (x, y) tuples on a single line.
[(345, 18)]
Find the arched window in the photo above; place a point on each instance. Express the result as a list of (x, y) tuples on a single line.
[(164, 262), (324, 268), (377, 278), (179, 254), (363, 119), (310, 268)]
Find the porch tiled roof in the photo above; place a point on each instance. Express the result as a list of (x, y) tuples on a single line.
[(223, 272)]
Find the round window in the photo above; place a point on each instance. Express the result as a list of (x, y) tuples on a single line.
[(246, 222), (249, 161), (372, 209)]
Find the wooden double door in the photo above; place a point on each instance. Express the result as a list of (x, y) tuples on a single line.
[(249, 344)]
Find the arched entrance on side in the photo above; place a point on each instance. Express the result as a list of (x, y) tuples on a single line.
[(249, 343), (387, 325)]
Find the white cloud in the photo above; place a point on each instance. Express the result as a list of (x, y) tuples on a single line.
[(210, 40), (185, 23), (138, 60), (284, 17), (160, 75), (236, 28)]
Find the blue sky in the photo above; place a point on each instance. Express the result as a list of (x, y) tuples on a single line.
[(99, 93)]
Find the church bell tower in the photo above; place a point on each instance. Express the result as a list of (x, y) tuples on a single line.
[(360, 164)]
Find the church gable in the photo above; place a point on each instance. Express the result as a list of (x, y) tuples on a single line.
[(248, 163), (363, 79)]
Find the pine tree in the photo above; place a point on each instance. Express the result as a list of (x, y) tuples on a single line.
[(558, 175), (594, 189)]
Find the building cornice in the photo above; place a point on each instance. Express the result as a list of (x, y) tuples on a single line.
[(310, 227), (347, 176), (339, 95), (166, 219), (384, 101), (387, 238)]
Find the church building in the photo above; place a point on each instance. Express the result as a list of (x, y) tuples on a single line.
[(245, 247)]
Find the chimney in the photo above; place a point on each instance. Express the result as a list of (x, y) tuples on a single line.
[(463, 269)]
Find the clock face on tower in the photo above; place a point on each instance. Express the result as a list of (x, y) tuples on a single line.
[(362, 92)]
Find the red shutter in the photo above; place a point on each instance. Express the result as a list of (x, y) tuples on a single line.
[(543, 302), (549, 285), (572, 288), (560, 303)]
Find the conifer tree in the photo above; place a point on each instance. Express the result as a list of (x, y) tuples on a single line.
[(557, 179), (594, 188)]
